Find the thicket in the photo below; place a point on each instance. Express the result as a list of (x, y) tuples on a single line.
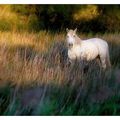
[(87, 18)]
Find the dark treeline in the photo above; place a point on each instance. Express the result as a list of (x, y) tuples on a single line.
[(87, 18)]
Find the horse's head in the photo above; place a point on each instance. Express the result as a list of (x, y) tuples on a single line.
[(71, 37)]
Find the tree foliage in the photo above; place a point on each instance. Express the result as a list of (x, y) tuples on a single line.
[(87, 18)]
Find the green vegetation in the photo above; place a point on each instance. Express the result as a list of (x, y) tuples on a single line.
[(32, 81), (87, 18)]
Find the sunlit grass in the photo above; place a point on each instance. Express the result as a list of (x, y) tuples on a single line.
[(17, 47), (30, 66)]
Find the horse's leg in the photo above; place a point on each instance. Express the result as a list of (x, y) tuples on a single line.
[(70, 63), (103, 62), (98, 61), (108, 60), (86, 68)]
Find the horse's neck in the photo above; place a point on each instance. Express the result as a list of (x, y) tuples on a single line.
[(78, 40)]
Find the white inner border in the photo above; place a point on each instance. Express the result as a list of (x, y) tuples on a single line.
[(61, 118), (59, 1)]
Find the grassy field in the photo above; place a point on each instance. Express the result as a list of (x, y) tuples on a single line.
[(32, 81)]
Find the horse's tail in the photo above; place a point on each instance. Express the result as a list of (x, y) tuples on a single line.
[(108, 63)]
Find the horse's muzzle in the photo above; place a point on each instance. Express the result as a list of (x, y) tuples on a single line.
[(70, 44)]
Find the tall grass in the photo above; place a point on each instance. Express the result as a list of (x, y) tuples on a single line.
[(36, 80)]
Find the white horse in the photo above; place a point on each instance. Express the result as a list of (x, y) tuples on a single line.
[(88, 50)]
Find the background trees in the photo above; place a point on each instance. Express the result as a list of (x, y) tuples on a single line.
[(87, 18)]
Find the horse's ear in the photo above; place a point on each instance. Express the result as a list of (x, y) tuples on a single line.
[(75, 30), (67, 29)]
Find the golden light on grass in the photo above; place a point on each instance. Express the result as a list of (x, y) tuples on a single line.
[(22, 57)]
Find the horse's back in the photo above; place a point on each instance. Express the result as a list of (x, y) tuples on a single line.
[(100, 43), (97, 41)]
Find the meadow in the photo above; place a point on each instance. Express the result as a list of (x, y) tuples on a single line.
[(35, 78)]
